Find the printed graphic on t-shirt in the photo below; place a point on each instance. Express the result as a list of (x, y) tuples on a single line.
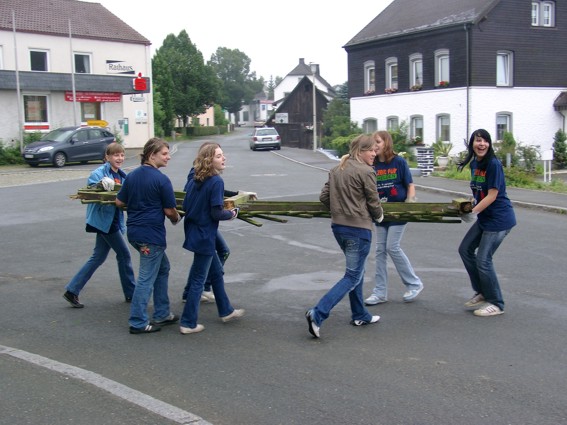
[(385, 179), (478, 179)]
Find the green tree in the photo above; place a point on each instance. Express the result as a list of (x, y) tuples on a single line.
[(163, 89), (336, 119), (194, 84), (219, 116), (559, 149), (238, 84), (505, 147)]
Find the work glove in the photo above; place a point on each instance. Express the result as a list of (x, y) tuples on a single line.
[(470, 217), (179, 218), (252, 196), (234, 212), (411, 199), (107, 183), (379, 219)]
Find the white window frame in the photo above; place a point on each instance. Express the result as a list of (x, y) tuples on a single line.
[(416, 70), (1, 57), (26, 115), (89, 65), (504, 68), (442, 66), (46, 52), (392, 73), (415, 129), (369, 77), (503, 124), (392, 123), (543, 13), (369, 125), (443, 127)]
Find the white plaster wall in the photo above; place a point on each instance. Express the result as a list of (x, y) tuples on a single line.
[(534, 121)]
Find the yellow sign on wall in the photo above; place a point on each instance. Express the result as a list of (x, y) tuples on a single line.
[(99, 123)]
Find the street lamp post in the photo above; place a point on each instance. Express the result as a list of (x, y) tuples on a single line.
[(313, 72)]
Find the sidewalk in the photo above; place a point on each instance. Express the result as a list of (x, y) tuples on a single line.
[(526, 198)]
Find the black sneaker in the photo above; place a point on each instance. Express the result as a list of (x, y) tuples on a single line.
[(374, 319), (313, 328), (169, 320), (73, 299), (148, 329)]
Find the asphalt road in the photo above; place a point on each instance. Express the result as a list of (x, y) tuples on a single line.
[(428, 362)]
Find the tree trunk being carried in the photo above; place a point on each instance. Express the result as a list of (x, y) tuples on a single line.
[(428, 212)]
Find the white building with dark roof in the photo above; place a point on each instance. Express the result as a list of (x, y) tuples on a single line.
[(67, 62)]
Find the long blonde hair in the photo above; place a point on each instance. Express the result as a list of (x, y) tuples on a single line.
[(203, 163), (361, 143)]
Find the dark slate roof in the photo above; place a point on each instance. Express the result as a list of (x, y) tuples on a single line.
[(88, 20), (303, 69), (413, 16)]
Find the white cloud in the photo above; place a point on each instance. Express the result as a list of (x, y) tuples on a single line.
[(274, 35)]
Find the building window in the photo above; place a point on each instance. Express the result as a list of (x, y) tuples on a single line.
[(504, 68), (416, 71), (38, 60), (1, 58), (416, 127), (444, 127), (369, 78), (391, 75), (543, 13), (90, 111), (35, 109), (82, 63), (369, 125), (442, 68), (503, 124), (392, 123)]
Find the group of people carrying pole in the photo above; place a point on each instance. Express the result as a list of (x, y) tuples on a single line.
[(370, 174)]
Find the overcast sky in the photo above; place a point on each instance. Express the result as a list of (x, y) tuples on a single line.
[(274, 35)]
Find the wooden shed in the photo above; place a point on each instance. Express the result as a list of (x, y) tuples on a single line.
[(293, 119)]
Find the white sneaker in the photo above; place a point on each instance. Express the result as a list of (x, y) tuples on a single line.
[(374, 319), (375, 299), (412, 294), (234, 315), (488, 310), (207, 297), (475, 301), (186, 331)]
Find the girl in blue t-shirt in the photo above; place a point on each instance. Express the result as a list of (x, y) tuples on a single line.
[(204, 208), (394, 184), (493, 218)]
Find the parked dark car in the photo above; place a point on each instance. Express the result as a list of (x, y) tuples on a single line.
[(69, 144), (265, 137)]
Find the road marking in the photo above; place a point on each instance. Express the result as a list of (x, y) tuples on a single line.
[(154, 405)]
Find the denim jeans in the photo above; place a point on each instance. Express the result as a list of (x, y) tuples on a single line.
[(202, 266), (152, 278), (102, 247), (223, 252), (479, 265), (356, 251), (388, 241)]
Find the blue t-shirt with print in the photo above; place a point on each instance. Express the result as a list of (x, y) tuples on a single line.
[(199, 225), (499, 215), (392, 181), (146, 192)]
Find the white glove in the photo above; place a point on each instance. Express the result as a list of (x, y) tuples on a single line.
[(179, 218), (411, 199), (379, 220), (252, 196), (469, 218), (234, 212), (107, 183)]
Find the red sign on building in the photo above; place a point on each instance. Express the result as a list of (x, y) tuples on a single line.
[(93, 96)]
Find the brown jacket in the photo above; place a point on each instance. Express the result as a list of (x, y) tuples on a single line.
[(351, 195)]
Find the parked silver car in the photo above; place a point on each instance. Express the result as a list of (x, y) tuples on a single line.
[(68, 144), (265, 137)]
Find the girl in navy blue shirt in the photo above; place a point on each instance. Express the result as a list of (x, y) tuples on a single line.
[(493, 218)]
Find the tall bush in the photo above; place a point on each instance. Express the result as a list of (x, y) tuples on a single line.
[(559, 149)]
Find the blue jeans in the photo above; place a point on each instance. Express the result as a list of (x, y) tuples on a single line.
[(102, 247), (223, 252), (388, 239), (479, 265), (356, 251), (202, 266), (152, 278)]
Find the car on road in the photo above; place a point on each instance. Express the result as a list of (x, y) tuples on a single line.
[(265, 137), (69, 144)]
